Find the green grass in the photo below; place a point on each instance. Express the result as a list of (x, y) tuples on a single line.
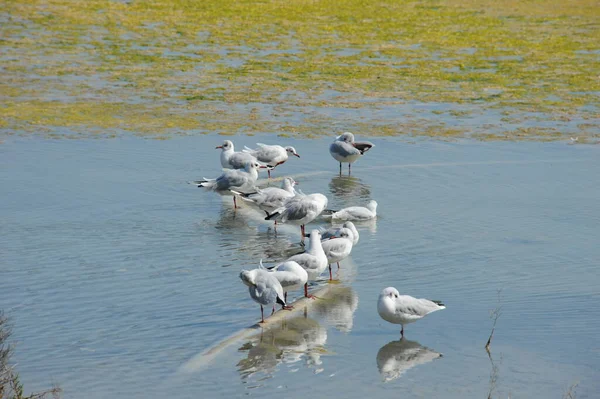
[(163, 67)]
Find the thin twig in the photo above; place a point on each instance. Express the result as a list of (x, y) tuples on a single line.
[(494, 315), (571, 392)]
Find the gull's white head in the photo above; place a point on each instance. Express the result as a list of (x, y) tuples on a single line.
[(349, 225), (248, 277), (346, 137), (226, 146), (315, 235), (290, 181), (389, 292), (345, 233), (372, 206), (292, 151), (251, 165)]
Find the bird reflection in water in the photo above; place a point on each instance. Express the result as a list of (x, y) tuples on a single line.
[(397, 357), (299, 340), (296, 339), (234, 232), (349, 187), (338, 309)]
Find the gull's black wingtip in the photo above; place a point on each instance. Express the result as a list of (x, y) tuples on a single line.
[(271, 216)]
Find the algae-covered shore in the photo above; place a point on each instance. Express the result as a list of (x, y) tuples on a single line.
[(476, 68)]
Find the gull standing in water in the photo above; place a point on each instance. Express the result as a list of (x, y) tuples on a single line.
[(404, 309), (300, 209), (270, 198), (338, 248), (264, 288), (345, 149), (314, 260), (272, 155), (231, 159), (357, 213), (290, 275), (240, 180), (335, 231)]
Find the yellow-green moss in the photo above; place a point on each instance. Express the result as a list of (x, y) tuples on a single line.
[(158, 66)]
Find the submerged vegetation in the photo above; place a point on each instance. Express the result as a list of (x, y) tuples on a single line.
[(488, 69), (10, 384)]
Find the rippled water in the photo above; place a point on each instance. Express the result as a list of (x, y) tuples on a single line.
[(116, 272)]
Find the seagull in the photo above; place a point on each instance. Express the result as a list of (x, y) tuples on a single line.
[(337, 249), (345, 149), (356, 213), (240, 180), (272, 155), (314, 260), (231, 159), (335, 231), (404, 309), (290, 275), (300, 209), (264, 288), (270, 198)]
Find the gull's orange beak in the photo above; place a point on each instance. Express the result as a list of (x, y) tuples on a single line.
[(219, 146), (297, 155), (263, 167)]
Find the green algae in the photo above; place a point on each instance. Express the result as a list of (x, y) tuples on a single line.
[(159, 67)]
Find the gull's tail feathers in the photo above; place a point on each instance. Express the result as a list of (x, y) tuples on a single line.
[(439, 303), (205, 183)]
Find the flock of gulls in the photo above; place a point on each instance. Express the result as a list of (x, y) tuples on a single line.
[(289, 205)]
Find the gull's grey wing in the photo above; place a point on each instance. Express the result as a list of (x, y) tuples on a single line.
[(307, 261), (297, 210), (343, 149), (231, 178), (239, 159), (286, 278), (415, 307)]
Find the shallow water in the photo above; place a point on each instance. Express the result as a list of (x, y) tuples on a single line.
[(116, 272)]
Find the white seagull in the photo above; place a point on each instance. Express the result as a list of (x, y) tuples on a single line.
[(338, 248), (272, 155), (290, 274), (270, 198), (404, 309), (335, 231), (356, 213), (300, 209), (239, 180), (345, 149), (264, 288), (314, 260), (231, 159)]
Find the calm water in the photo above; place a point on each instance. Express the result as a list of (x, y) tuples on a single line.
[(116, 272)]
